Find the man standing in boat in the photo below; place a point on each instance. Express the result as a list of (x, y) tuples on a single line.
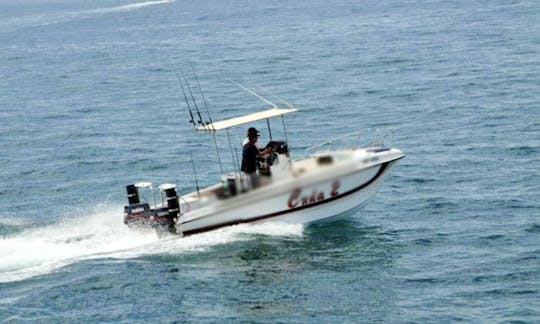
[(250, 154)]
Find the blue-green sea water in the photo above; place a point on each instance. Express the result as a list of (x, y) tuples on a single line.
[(90, 102)]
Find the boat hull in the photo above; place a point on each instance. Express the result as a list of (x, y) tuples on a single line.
[(293, 202)]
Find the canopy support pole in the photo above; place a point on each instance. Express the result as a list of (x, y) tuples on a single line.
[(217, 152), (269, 129), (284, 128), (236, 165)]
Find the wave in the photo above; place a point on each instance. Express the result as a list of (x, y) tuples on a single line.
[(38, 20), (102, 234), (132, 6)]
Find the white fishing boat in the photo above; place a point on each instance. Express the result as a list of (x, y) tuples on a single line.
[(326, 183)]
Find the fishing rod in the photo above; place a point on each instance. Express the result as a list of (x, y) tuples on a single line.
[(200, 121), (192, 121), (203, 98), (209, 118)]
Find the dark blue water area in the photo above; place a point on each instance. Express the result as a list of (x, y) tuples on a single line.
[(90, 102)]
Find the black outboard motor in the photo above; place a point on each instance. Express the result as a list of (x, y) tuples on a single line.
[(173, 207), (136, 214), (133, 194)]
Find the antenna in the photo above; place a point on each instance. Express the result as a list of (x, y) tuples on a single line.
[(275, 96), (253, 93)]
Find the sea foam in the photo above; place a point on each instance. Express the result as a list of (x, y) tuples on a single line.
[(101, 234)]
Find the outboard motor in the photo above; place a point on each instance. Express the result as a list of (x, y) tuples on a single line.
[(133, 194), (136, 214), (173, 207)]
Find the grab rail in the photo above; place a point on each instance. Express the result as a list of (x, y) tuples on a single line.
[(380, 137), (377, 141)]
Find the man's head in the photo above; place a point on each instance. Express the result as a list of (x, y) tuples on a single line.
[(252, 131)]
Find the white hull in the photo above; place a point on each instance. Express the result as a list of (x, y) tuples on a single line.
[(304, 199)]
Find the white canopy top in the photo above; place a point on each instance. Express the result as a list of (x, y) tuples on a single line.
[(227, 123)]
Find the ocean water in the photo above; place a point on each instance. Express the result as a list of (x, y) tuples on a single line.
[(89, 102)]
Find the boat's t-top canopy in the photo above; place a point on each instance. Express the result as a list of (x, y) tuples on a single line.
[(228, 123)]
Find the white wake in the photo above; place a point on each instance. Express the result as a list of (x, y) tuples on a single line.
[(102, 234), (11, 24), (131, 6)]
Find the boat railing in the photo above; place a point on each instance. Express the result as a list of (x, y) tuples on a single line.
[(353, 140), (382, 136)]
